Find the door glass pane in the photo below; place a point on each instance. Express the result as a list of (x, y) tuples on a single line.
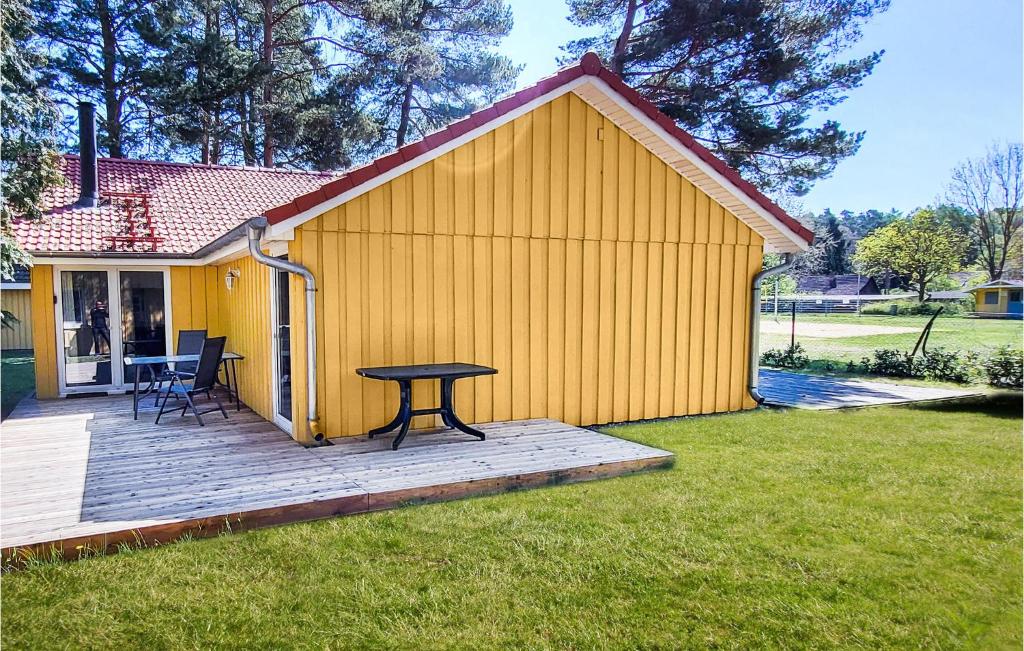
[(143, 319), (284, 348), (85, 310)]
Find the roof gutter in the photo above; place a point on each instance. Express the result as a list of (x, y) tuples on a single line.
[(755, 320), (256, 227), (236, 233)]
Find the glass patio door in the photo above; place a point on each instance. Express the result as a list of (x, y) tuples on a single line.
[(85, 329), (105, 315), (143, 315)]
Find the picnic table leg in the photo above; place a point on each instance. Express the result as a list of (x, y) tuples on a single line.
[(448, 410), (405, 387)]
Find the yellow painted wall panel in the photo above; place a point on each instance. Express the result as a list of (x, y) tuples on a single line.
[(589, 332), (652, 336), (556, 327), (573, 374), (19, 335), (44, 334), (668, 324), (725, 319), (712, 285), (623, 311), (540, 212), (577, 172), (538, 332), (683, 322), (559, 156)]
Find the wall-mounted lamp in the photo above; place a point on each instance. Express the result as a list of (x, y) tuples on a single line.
[(229, 278)]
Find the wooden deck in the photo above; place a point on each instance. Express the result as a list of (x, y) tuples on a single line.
[(81, 474), (785, 389)]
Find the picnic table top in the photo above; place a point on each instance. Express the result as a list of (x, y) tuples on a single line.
[(165, 359), (425, 371)]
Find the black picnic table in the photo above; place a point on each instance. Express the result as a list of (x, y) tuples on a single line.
[(404, 376)]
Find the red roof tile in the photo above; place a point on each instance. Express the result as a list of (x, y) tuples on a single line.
[(190, 205)]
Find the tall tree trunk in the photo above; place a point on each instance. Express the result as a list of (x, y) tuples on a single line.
[(618, 62), (111, 101), (268, 84), (403, 120), (248, 146), (215, 139), (204, 155)]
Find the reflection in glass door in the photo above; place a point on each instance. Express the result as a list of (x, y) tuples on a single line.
[(143, 319), (85, 311)]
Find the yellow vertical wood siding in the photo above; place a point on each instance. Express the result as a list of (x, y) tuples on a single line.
[(19, 303), (44, 331), (600, 283)]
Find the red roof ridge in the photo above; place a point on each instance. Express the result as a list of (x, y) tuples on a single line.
[(245, 168), (589, 65)]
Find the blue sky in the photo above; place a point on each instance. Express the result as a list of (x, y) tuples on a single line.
[(949, 85)]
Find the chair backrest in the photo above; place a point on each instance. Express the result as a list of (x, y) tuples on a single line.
[(190, 342), (209, 360)]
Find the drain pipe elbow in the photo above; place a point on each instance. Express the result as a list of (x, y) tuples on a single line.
[(755, 320), (256, 228)]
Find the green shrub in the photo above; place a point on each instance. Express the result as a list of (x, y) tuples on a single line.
[(889, 362), (1005, 368), (789, 357), (913, 308), (938, 364), (947, 366)]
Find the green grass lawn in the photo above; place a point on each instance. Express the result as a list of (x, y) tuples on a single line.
[(885, 527), (17, 378), (952, 333)]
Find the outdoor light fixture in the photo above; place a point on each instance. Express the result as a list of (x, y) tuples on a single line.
[(229, 278)]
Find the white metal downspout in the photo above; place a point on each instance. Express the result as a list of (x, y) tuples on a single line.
[(755, 320), (256, 227)]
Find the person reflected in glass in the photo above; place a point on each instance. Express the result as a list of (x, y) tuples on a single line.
[(99, 320)]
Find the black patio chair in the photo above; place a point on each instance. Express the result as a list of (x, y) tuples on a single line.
[(190, 342), (188, 386)]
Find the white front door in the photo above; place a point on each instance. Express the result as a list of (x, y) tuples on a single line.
[(280, 319), (104, 314)]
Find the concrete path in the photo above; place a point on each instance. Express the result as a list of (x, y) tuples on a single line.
[(785, 389)]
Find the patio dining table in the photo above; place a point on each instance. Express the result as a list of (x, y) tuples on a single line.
[(139, 362)]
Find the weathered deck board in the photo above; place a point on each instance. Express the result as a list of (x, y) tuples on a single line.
[(784, 389), (82, 472)]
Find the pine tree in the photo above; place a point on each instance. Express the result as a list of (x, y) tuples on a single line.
[(423, 64), (195, 83), (98, 54), (743, 76), (29, 164)]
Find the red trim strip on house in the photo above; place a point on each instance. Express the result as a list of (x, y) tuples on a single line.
[(590, 65)]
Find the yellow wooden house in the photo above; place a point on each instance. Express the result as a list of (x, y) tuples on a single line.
[(570, 236), (998, 299)]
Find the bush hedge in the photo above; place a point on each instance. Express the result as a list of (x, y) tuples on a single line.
[(913, 308), (1001, 370), (1005, 368), (789, 357)]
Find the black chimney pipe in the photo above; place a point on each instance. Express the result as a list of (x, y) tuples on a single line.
[(90, 194)]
